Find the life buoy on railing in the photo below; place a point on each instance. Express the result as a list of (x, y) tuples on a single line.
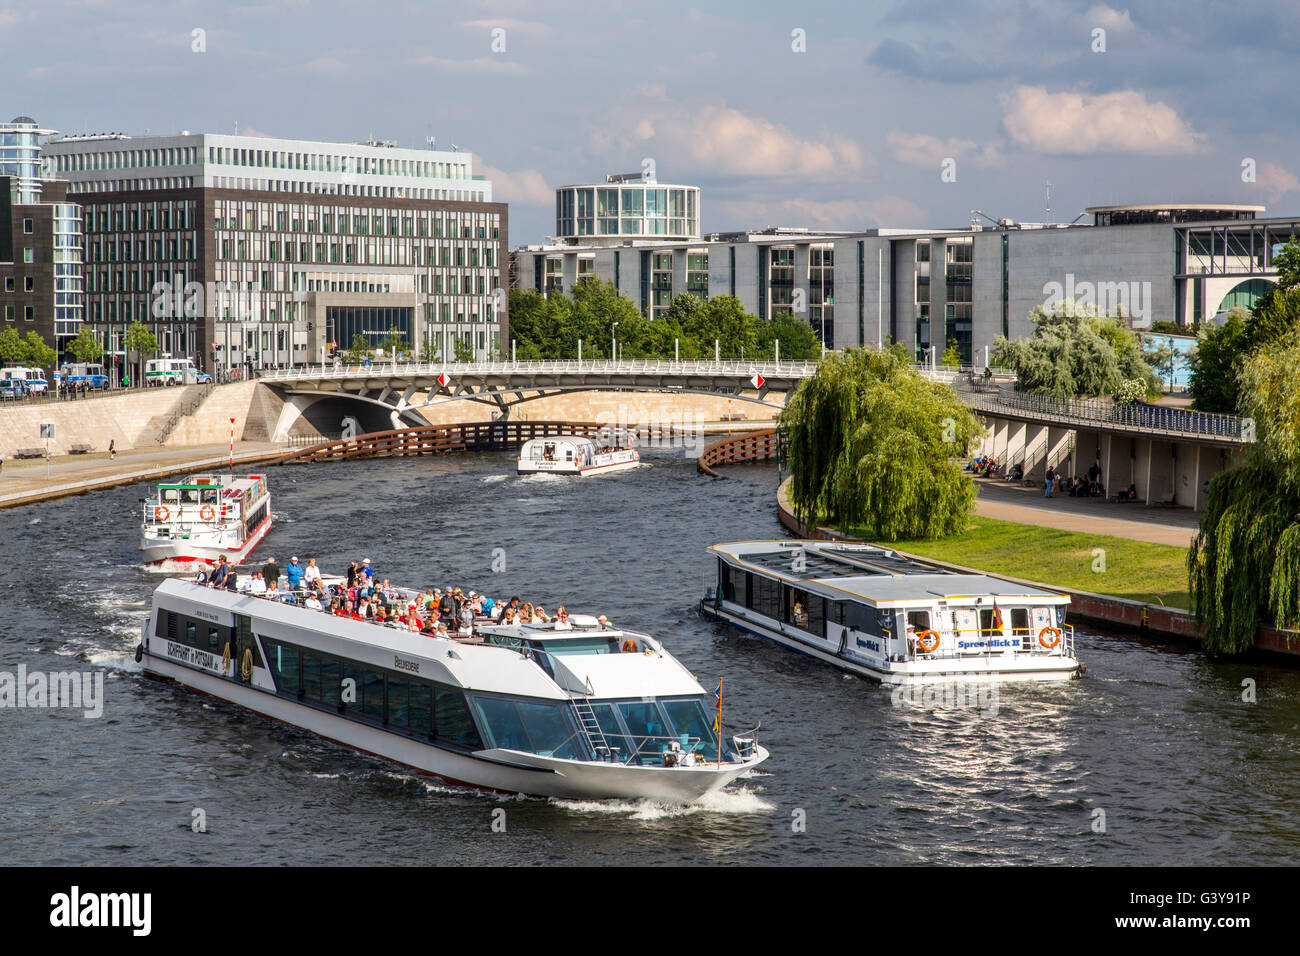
[(1056, 639), (207, 512), (927, 641), (161, 513), (629, 646)]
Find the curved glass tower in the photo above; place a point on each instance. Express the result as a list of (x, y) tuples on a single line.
[(20, 157)]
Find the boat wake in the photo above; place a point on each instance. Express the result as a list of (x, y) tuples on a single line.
[(738, 801), (173, 566), (493, 479)]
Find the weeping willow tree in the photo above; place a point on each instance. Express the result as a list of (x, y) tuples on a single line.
[(871, 443), (1244, 564)]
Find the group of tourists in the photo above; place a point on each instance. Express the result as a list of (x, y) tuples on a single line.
[(361, 596), (1077, 487)]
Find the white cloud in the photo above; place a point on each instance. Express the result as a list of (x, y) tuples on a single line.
[(479, 66), (920, 149), (526, 187), (725, 141), (328, 65), (1079, 124), (1275, 181), (1110, 19), (526, 27)]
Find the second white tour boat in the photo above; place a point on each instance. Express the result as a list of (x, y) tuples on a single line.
[(873, 612), (580, 712), (203, 517)]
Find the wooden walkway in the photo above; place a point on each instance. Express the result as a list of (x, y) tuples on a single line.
[(751, 446)]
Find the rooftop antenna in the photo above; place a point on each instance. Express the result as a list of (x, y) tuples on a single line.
[(236, 127), (1048, 184)]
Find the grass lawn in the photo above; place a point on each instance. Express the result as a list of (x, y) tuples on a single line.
[(1138, 570)]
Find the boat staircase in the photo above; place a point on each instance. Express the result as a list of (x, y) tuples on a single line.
[(600, 746)]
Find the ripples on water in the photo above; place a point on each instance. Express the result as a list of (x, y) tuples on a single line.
[(1156, 737)]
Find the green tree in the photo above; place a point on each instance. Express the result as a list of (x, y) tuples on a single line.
[(951, 355), (799, 343), (359, 350), (12, 349), (1244, 564), (464, 349), (1074, 351), (1215, 363), (141, 341), (38, 354), (85, 347), (393, 342), (429, 350), (872, 443)]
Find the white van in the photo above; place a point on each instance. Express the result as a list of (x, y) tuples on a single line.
[(169, 371), (30, 380)]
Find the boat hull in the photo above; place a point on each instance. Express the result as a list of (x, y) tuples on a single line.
[(504, 771)]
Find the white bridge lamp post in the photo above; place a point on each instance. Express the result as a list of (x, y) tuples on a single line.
[(613, 343)]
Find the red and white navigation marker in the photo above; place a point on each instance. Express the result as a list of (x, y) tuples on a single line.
[(758, 381), (442, 379)]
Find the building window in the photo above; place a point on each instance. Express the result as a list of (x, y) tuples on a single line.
[(29, 313), (29, 255), (29, 284), (28, 226)]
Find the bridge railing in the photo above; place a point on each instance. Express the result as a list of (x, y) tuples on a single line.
[(1137, 415), (746, 369)]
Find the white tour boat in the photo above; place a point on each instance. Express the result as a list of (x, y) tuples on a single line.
[(583, 712), (572, 455), (204, 517), (873, 612)]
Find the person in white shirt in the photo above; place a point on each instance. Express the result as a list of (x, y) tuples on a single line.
[(312, 603), (256, 584), (562, 619), (311, 572)]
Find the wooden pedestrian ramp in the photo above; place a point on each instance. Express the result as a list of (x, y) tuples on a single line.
[(750, 446)]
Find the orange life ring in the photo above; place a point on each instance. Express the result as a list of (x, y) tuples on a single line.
[(924, 643), (629, 646), (1055, 640), (207, 512), (161, 513)]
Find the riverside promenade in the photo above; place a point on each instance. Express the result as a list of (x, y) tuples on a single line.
[(1008, 501), (24, 482)]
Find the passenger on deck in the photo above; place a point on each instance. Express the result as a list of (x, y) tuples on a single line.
[(489, 607), (512, 606), (271, 574), (312, 601), (442, 631), (311, 573), (353, 573), (255, 584), (466, 622), (367, 570), (525, 615), (508, 616), (540, 616), (218, 576), (293, 572), (231, 580), (201, 577), (603, 621), (562, 619)]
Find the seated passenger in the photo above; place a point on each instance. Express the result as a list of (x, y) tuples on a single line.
[(540, 616), (562, 619), (489, 607), (603, 621), (312, 602)]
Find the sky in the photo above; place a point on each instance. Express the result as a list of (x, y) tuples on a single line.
[(822, 115)]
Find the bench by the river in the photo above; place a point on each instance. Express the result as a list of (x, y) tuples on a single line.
[(29, 453), (81, 448)]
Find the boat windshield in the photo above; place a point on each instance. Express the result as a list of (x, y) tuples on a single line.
[(530, 726)]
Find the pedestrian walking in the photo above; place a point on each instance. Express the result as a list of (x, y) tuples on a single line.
[(112, 449), (1047, 490)]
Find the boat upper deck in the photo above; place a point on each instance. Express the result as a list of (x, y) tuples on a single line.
[(533, 660), (872, 574)]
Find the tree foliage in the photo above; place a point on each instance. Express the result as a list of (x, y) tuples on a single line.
[(85, 347), (359, 350), (1074, 351), (30, 350), (1244, 564), (1215, 363), (872, 443), (551, 327)]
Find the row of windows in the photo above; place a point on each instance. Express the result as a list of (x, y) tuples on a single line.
[(301, 217), (419, 708)]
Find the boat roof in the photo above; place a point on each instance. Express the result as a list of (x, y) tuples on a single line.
[(557, 439), (882, 577)]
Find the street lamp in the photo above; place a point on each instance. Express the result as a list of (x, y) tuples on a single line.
[(613, 343)]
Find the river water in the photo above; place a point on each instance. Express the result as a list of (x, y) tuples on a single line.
[(1153, 758)]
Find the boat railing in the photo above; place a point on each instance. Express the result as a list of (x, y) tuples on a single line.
[(1030, 643), (642, 746)]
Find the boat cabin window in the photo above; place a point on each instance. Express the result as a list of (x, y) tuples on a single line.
[(767, 597), (568, 453), (1019, 622), (548, 451), (536, 727), (918, 620), (805, 611), (992, 620)]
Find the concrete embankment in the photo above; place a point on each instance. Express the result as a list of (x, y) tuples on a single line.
[(1104, 609)]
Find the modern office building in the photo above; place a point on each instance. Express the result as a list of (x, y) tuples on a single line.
[(247, 252), (40, 242), (926, 288)]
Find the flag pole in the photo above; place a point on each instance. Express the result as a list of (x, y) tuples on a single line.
[(719, 721)]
